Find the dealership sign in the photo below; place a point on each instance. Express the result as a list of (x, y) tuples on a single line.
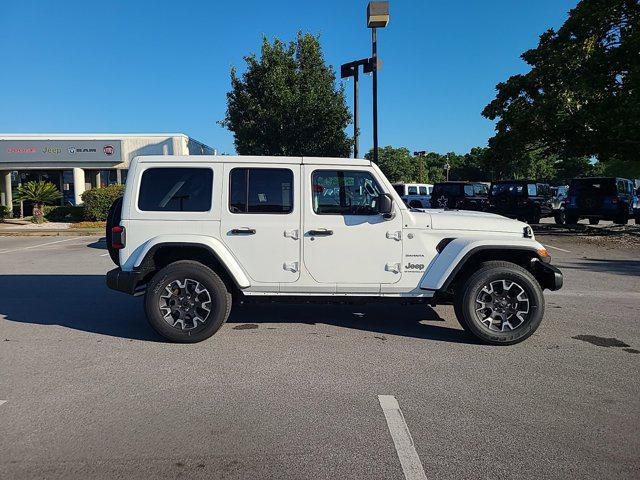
[(23, 151)]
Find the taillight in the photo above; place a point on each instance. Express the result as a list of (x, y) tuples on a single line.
[(118, 237)]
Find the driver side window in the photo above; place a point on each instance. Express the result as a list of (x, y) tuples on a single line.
[(341, 192)]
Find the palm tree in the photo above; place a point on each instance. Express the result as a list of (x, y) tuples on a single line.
[(39, 193)]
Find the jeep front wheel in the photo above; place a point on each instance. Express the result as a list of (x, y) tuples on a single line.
[(187, 302), (501, 304)]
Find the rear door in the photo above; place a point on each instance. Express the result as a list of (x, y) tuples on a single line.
[(261, 220)]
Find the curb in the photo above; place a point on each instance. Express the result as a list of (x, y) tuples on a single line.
[(50, 233)]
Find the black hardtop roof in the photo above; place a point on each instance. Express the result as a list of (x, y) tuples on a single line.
[(518, 181), (599, 178), (457, 182)]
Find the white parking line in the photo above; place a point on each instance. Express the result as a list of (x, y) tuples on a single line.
[(2, 401), (104, 254), (557, 248), (40, 245), (411, 465)]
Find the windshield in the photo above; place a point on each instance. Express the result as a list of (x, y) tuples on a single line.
[(593, 186), (446, 189), (513, 189)]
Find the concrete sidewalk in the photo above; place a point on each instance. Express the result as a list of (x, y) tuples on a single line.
[(14, 227)]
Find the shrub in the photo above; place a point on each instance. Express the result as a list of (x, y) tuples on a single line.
[(97, 201), (63, 214), (4, 212)]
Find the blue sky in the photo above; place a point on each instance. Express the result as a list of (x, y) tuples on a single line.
[(142, 66)]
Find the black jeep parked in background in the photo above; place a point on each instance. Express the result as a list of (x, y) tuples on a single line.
[(600, 198), (460, 195), (525, 200)]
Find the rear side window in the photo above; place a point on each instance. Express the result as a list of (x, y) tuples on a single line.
[(468, 190), (424, 191), (399, 189), (176, 190), (413, 190), (261, 190)]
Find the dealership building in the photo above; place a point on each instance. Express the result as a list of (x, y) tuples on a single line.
[(78, 162)]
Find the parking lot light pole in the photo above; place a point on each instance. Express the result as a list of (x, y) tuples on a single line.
[(420, 155), (348, 70), (377, 17)]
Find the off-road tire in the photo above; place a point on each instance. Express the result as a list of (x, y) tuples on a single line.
[(220, 299), (416, 204), (113, 218), (594, 221), (571, 219), (535, 217), (622, 218), (465, 301), (559, 217)]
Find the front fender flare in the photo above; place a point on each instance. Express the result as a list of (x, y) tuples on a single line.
[(447, 263), (214, 245)]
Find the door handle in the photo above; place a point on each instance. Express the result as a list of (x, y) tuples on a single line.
[(243, 231), (320, 233)]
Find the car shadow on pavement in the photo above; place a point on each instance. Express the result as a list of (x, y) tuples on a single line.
[(616, 267), (83, 302), (383, 319), (100, 244), (79, 302)]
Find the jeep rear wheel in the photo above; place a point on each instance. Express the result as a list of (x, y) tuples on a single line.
[(559, 217), (187, 302), (622, 218), (501, 304)]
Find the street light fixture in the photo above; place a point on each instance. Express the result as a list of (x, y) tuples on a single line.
[(377, 17)]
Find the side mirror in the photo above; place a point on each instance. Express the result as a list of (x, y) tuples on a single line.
[(385, 205)]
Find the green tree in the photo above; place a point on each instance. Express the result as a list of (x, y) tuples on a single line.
[(287, 102), (39, 193), (581, 97), (397, 164)]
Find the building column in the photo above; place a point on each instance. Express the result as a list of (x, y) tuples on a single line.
[(78, 184), (96, 179), (6, 187)]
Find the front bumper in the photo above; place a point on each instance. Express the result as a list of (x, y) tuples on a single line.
[(127, 282), (548, 275)]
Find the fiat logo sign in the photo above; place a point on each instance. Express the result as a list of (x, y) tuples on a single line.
[(108, 150)]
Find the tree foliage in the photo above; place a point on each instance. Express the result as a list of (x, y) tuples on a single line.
[(287, 103), (39, 193), (582, 95)]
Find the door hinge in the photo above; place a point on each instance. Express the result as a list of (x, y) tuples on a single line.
[(290, 266), (392, 267), (394, 235), (291, 234)]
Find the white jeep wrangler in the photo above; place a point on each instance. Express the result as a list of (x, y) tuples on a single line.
[(196, 233)]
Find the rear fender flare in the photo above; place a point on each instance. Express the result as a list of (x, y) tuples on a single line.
[(215, 246)]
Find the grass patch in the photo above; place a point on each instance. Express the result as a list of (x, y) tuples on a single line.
[(88, 225)]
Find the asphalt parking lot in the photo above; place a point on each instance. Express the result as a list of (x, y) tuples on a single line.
[(87, 390)]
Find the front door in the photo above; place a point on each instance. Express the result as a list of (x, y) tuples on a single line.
[(346, 240), (261, 220)]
